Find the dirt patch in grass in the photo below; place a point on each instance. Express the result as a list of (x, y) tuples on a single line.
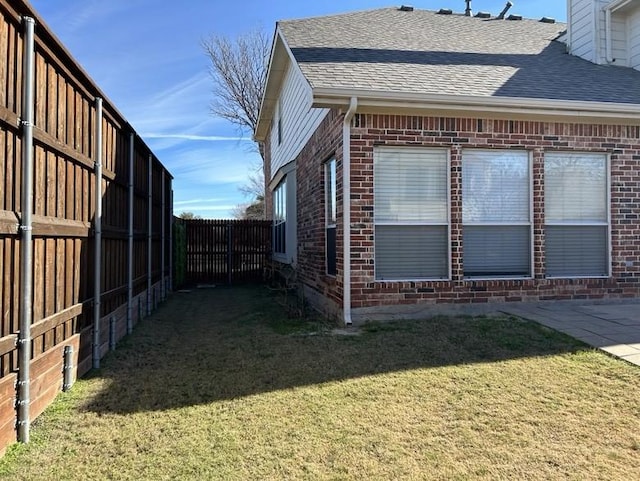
[(220, 384)]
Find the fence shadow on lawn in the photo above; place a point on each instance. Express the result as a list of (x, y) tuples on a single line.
[(220, 344)]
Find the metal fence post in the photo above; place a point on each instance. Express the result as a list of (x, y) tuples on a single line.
[(67, 369)]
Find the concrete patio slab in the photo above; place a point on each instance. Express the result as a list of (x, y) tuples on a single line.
[(621, 350), (613, 328), (633, 359)]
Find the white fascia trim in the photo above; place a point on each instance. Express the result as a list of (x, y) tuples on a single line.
[(259, 135), (275, 75), (329, 97), (281, 173), (617, 5)]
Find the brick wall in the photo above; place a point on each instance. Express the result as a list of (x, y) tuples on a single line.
[(325, 143), (622, 142)]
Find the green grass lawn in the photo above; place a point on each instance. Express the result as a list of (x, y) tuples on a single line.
[(220, 384)]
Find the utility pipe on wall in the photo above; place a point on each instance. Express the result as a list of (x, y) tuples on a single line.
[(149, 235), (26, 286), (98, 234), (132, 139), (346, 209)]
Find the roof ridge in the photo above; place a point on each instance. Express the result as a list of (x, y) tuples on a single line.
[(414, 11)]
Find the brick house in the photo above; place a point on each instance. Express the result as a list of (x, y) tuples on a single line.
[(472, 159)]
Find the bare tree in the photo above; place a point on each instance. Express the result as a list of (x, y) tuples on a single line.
[(254, 188), (238, 69)]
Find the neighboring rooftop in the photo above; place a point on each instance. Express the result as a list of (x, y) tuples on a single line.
[(422, 51)]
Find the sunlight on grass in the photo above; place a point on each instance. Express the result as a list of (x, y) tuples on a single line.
[(221, 385)]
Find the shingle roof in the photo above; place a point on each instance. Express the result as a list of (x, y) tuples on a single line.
[(424, 52)]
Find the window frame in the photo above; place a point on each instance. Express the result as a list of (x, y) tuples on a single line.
[(447, 225), (331, 203), (607, 225), (530, 223), (280, 219)]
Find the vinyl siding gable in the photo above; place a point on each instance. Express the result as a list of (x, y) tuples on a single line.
[(582, 24), (589, 34), (299, 119)]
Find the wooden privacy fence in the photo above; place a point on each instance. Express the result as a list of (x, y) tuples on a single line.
[(225, 251), (87, 241)]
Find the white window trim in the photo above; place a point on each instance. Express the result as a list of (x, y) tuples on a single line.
[(330, 225), (607, 224), (532, 251), (280, 256), (448, 226)]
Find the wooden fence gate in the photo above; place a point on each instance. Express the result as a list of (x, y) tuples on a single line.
[(224, 251)]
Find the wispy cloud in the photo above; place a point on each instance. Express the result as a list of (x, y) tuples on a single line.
[(197, 201), (206, 164), (209, 138), (92, 12)]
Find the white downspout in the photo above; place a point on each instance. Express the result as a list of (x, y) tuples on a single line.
[(26, 244), (608, 39), (346, 209), (98, 235)]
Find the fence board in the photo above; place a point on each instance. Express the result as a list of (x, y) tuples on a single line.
[(225, 251), (63, 209)]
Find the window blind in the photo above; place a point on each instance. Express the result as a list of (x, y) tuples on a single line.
[(577, 230), (411, 212), (496, 213)]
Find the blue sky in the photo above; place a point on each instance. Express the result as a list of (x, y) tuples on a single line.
[(146, 57)]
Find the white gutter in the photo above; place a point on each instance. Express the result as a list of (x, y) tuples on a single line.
[(617, 5), (26, 245), (346, 209), (97, 222), (329, 97)]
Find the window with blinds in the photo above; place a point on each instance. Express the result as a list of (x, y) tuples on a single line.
[(576, 215), (330, 215), (411, 212), (496, 214), (280, 218)]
